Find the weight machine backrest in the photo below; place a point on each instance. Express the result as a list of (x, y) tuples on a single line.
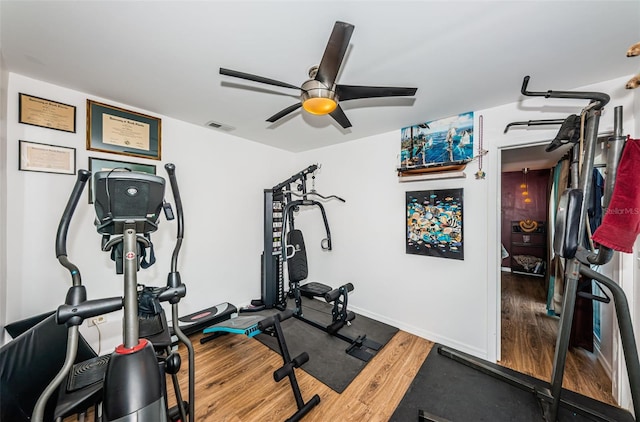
[(297, 264)]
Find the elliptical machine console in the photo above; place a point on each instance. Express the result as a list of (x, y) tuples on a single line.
[(122, 196)]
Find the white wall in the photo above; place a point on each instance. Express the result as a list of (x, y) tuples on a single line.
[(221, 178), (441, 299)]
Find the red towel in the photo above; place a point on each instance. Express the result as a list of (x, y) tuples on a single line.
[(621, 223)]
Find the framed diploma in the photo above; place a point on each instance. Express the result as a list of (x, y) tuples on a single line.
[(100, 164), (47, 158), (119, 131), (46, 113)]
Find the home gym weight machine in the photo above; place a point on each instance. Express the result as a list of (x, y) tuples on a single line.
[(282, 246), (128, 206), (569, 243)]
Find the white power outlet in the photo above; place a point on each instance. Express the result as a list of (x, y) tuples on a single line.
[(97, 321)]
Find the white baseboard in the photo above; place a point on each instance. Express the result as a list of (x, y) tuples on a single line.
[(606, 365), (474, 351)]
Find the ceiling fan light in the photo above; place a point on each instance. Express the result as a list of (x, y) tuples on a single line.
[(320, 105), (317, 98)]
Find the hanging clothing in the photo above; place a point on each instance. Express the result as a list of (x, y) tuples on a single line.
[(621, 223)]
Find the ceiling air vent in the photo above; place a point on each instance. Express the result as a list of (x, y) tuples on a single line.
[(219, 126)]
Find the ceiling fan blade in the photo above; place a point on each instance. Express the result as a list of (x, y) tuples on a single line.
[(334, 53), (352, 92), (255, 78), (339, 116), (279, 115)]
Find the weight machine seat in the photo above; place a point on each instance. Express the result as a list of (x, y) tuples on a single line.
[(314, 289)]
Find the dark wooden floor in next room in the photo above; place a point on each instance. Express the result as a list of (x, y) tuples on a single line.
[(234, 380)]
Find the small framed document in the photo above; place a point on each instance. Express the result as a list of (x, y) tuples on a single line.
[(119, 131), (47, 158), (46, 113)]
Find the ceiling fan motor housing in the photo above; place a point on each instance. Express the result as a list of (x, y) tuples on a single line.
[(317, 98)]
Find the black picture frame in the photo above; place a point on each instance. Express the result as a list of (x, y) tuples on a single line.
[(37, 111), (434, 223), (46, 158)]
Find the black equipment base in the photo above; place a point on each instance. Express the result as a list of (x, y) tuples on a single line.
[(447, 390), (357, 346), (329, 363)]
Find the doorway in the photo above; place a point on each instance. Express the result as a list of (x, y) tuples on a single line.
[(528, 329)]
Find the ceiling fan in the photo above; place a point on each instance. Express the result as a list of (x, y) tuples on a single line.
[(320, 94)]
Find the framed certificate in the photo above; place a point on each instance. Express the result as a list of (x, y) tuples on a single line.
[(100, 164), (119, 131), (46, 158), (38, 111)]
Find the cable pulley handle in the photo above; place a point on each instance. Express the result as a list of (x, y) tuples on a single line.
[(600, 98), (63, 227)]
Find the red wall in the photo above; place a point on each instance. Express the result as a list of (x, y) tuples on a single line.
[(513, 206)]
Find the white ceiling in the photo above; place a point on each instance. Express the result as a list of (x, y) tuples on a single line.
[(164, 56), (532, 157)]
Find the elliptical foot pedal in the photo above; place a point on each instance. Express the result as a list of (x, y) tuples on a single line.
[(88, 372), (314, 289)]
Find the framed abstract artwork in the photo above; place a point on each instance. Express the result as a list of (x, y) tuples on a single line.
[(434, 223)]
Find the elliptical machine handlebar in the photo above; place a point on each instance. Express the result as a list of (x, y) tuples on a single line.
[(176, 290), (63, 227), (600, 99), (171, 171)]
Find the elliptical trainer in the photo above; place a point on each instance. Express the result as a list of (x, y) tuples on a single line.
[(128, 206)]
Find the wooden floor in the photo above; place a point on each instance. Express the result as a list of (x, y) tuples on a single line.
[(529, 335), (234, 379)]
